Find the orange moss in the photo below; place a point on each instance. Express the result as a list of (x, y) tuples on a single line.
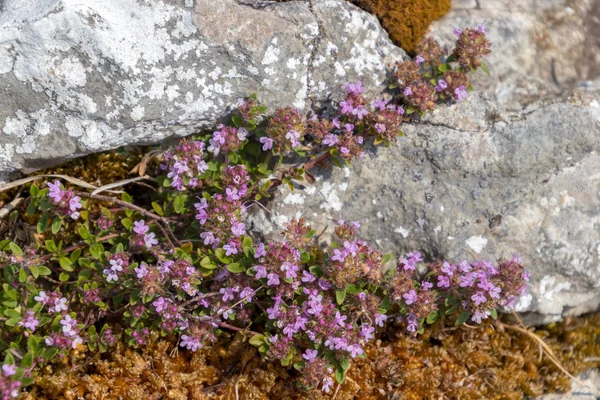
[(444, 362), (406, 21)]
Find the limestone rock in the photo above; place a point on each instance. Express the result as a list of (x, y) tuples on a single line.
[(81, 76)]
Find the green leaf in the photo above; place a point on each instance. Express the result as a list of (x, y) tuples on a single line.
[(96, 250), (340, 296), (345, 363), (12, 313), (35, 270), (432, 317), (387, 258), (83, 232), (287, 360), (56, 225), (443, 67), (63, 277), (257, 340), (485, 68), (44, 271), (33, 344), (22, 275), (212, 166), (9, 359), (235, 268), (179, 203), (220, 253), (51, 246), (34, 190), (340, 375), (42, 223), (16, 250), (237, 121), (27, 360), (494, 314), (353, 289), (66, 264), (462, 318), (207, 263), (247, 245), (127, 223)]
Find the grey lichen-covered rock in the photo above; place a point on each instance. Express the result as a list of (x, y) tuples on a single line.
[(474, 179), (82, 76)]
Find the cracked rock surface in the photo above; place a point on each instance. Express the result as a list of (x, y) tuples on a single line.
[(81, 76)]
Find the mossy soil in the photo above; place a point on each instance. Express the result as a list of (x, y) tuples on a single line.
[(444, 362)]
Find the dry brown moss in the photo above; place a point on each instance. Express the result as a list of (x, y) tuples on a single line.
[(444, 362), (406, 21)]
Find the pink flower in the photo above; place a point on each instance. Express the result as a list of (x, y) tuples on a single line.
[(310, 355), (354, 88), (478, 298), (267, 143), (55, 192), (460, 93), (9, 370), (441, 86), (141, 271), (140, 227), (190, 343), (419, 60), (410, 297), (238, 229), (443, 281), (150, 240), (330, 140), (273, 279)]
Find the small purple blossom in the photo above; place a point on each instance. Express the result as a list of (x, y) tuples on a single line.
[(410, 297), (443, 281), (9, 369), (479, 298), (460, 93), (267, 143), (441, 86), (330, 140), (140, 227), (273, 279), (419, 60), (310, 355), (380, 319)]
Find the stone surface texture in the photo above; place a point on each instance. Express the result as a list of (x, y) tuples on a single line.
[(514, 169), (81, 76)]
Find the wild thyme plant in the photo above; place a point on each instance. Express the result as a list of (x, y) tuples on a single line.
[(186, 267)]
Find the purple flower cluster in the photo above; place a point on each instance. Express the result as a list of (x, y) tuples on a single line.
[(66, 202), (144, 238), (227, 139), (481, 286), (185, 163), (220, 216)]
